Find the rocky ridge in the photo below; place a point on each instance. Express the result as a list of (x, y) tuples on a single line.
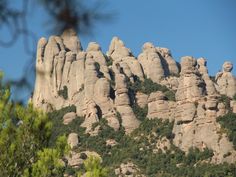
[(98, 85)]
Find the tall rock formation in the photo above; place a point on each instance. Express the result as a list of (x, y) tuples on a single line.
[(100, 86), (226, 82), (151, 63), (196, 112)]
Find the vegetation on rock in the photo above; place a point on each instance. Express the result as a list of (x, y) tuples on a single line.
[(148, 86), (228, 123), (63, 93), (140, 148), (225, 100)]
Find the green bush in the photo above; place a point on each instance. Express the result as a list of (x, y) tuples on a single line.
[(24, 140), (228, 122), (173, 162), (163, 128), (63, 93), (109, 61), (59, 128), (225, 100), (140, 113), (148, 86), (195, 155), (234, 97)]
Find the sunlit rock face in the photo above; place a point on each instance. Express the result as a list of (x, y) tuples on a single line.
[(101, 86), (226, 82)]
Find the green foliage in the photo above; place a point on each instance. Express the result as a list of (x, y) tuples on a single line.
[(225, 100), (109, 61), (148, 86), (140, 113), (138, 147), (93, 167), (228, 123), (99, 73), (59, 129), (24, 139), (158, 126), (23, 132), (119, 117), (195, 155), (234, 97), (63, 93), (48, 161)]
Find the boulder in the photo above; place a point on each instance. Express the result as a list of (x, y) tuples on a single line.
[(159, 107), (73, 140), (69, 117)]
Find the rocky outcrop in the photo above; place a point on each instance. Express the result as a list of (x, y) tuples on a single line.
[(151, 63), (122, 102), (75, 159), (73, 140), (196, 112), (102, 91), (210, 86), (160, 107), (226, 82), (170, 65), (141, 99), (100, 86), (69, 117), (128, 169), (191, 86), (121, 55)]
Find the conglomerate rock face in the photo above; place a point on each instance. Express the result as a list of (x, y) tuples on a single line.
[(196, 112), (98, 85)]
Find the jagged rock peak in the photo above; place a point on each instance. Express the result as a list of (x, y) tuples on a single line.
[(98, 84), (117, 49), (93, 46), (71, 41)]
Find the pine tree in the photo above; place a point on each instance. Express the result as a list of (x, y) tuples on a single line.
[(24, 135)]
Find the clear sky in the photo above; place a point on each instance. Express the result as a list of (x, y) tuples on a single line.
[(199, 28)]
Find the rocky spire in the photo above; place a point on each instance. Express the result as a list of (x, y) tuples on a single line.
[(151, 63), (226, 82)]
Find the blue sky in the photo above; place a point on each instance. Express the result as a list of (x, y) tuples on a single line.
[(199, 28)]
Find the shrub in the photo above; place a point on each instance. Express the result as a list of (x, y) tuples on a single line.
[(93, 167), (140, 113), (63, 93), (195, 155), (24, 138), (148, 86), (109, 61), (228, 122), (225, 100), (234, 97)]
